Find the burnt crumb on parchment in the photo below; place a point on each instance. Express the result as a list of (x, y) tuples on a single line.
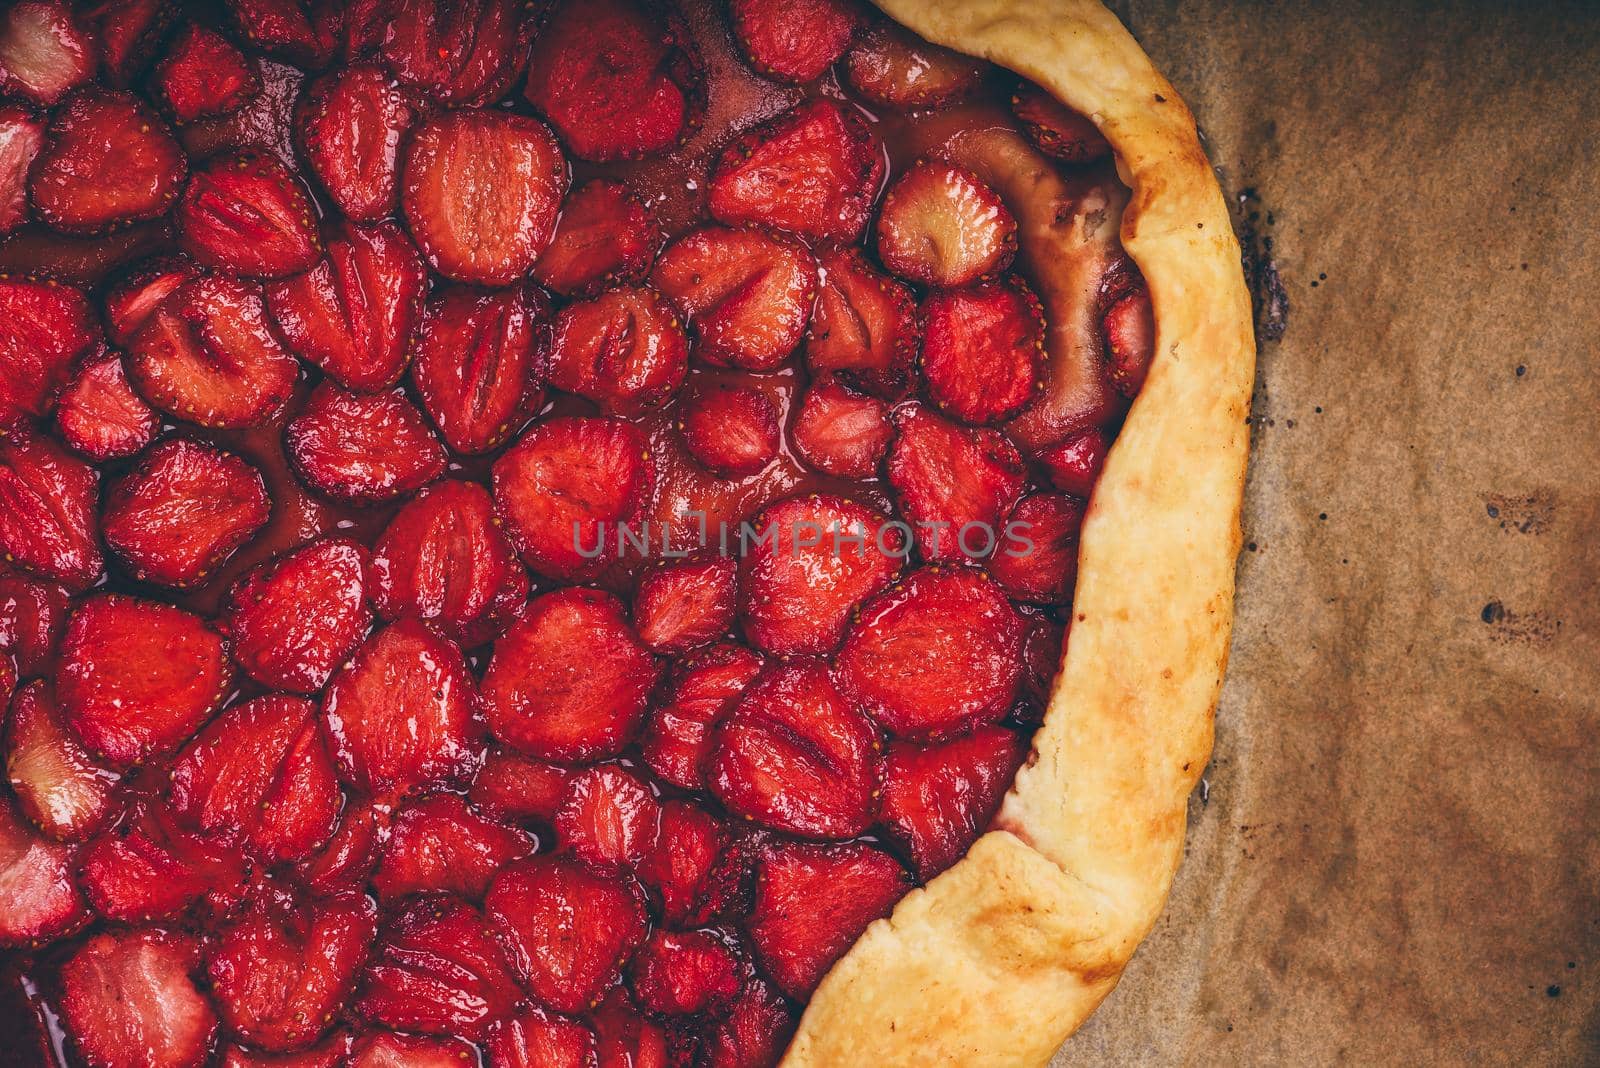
[(1507, 627), (1267, 292), (1529, 513)]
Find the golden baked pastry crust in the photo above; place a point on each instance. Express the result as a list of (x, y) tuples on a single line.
[(1002, 957)]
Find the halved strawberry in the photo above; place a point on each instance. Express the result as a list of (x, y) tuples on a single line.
[(681, 865), (481, 193), (570, 680), (43, 52), (747, 294), (44, 329), (1037, 559), (538, 1039), (465, 53), (894, 68), (66, 792), (813, 902), (566, 488), (149, 869), (1041, 653), (47, 511), (280, 971), (954, 483), (936, 654), (937, 799), (793, 42), (249, 214), (942, 226), (33, 612), (625, 350), (398, 717), (351, 124), (1074, 464), (388, 1050), (363, 448), (332, 1052), (627, 1039), (303, 32), (100, 416), (686, 604), (677, 740), (618, 79), (1130, 329), (438, 969), (814, 560), (127, 31), (518, 788), (1056, 129), (840, 432), (36, 874), (295, 618), (983, 350), (608, 818), (354, 313), (864, 327), (346, 863), (814, 170), (756, 1032), (128, 1000), (206, 354), (605, 237), (182, 512), (732, 429), (137, 294), (21, 138), (439, 843), (203, 75), (683, 973), (568, 929)]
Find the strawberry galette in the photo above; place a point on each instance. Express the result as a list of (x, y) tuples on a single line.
[(599, 533)]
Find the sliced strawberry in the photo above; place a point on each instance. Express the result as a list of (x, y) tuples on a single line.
[(206, 354), (149, 869), (21, 138), (280, 972), (33, 614), (625, 350), (942, 226), (386, 1050), (608, 818), (183, 511), (626, 1039), (677, 740), (137, 294), (346, 863), (1130, 329), (894, 68), (934, 655), (100, 416), (680, 974), (983, 350), (756, 1032), (460, 54), (294, 619), (65, 792), (128, 31), (568, 929), (1041, 652), (109, 162), (399, 715), (938, 798), (437, 969), (954, 483), (813, 561), (333, 1052), (812, 904), (864, 326), (840, 432), (565, 489), (129, 1001), (732, 429), (363, 448), (605, 237), (618, 79), (681, 864), (351, 124), (354, 313), (1037, 559), (793, 42), (519, 788), (44, 329), (1074, 464), (248, 214), (481, 193), (1056, 129), (684, 605), (302, 32), (47, 518), (440, 844), (36, 876), (43, 52), (570, 680), (537, 1039), (203, 75)]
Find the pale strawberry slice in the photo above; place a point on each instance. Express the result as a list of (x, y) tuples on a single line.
[(841, 432), (129, 1000), (1037, 559), (685, 604), (537, 1039), (438, 969), (518, 788), (684, 973), (566, 488), (333, 1052), (894, 68), (100, 416), (204, 75), (21, 139), (624, 349), (1056, 129), (864, 326), (281, 970), (149, 869), (355, 312), (182, 512), (351, 125), (44, 329), (387, 1050), (938, 798), (127, 31), (618, 79), (814, 560), (954, 483), (461, 54), (731, 428), (363, 448), (67, 793), (983, 350), (814, 170), (942, 226), (481, 192), (756, 1032), (440, 844), (43, 51), (303, 32), (480, 363), (813, 902), (608, 818), (137, 294), (681, 865), (1074, 464), (568, 929), (677, 740), (250, 215), (1130, 330), (605, 237), (346, 863), (935, 655), (294, 619), (207, 355), (47, 511), (33, 613), (570, 680), (793, 42), (398, 717), (36, 876), (627, 1039)]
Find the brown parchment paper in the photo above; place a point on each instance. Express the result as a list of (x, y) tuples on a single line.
[(1393, 859)]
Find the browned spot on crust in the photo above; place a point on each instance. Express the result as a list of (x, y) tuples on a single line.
[(1529, 513)]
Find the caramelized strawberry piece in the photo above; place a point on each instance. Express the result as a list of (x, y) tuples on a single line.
[(354, 313), (1074, 464), (677, 740), (942, 226), (439, 843), (44, 329), (465, 53), (203, 75), (680, 974), (892, 67), (840, 432), (33, 613), (127, 31), (351, 125), (566, 488), (518, 788), (813, 902), (398, 717), (137, 294), (149, 869), (681, 864), (43, 52), (625, 350), (128, 1000), (481, 193), (295, 618), (626, 1039), (570, 680), (21, 138), (1041, 654), (731, 429), (537, 1039), (36, 875), (864, 326), (100, 416), (756, 1032), (1056, 129), (65, 792), (346, 863), (813, 562), (47, 511), (938, 798), (683, 605), (793, 42), (1038, 556), (333, 1052), (303, 32), (605, 237), (363, 448), (608, 818), (386, 1050), (248, 214), (954, 484), (982, 350), (568, 929), (814, 170), (1130, 329)]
